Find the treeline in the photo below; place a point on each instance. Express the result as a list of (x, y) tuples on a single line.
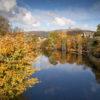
[(65, 42), (73, 42)]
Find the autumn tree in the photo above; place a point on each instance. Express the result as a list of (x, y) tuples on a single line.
[(4, 26), (16, 57)]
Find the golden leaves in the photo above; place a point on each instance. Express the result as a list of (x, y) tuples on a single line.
[(16, 57)]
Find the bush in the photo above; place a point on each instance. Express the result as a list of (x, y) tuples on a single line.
[(16, 57)]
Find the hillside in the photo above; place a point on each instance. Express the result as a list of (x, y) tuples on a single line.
[(46, 33)]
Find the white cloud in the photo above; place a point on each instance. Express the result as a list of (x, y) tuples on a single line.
[(17, 14), (7, 5), (24, 16), (30, 20), (62, 21)]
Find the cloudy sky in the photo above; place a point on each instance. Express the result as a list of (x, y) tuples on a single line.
[(51, 14)]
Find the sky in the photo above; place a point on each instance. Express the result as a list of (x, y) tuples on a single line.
[(46, 15)]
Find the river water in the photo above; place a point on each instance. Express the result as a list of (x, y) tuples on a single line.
[(65, 77)]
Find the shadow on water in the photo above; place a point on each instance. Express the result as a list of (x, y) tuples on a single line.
[(65, 76)]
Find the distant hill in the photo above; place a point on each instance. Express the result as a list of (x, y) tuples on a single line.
[(46, 33), (73, 30), (39, 33)]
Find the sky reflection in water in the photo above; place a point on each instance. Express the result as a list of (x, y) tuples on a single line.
[(67, 81)]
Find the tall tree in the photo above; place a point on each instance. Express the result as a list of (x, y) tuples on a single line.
[(54, 39), (4, 26), (97, 33)]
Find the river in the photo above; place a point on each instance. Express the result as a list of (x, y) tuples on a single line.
[(65, 77)]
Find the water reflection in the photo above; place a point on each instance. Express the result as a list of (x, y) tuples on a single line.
[(71, 58), (65, 77), (63, 57)]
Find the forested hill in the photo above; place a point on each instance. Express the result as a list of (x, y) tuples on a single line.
[(46, 33), (39, 33)]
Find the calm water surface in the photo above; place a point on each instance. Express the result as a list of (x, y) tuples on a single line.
[(65, 77)]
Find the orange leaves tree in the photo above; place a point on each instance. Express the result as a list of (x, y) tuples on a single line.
[(16, 57)]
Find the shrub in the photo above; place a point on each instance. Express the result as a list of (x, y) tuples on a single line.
[(16, 57)]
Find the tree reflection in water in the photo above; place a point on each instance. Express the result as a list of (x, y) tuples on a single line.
[(56, 57)]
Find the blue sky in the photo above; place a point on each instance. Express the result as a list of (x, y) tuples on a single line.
[(51, 14), (57, 4)]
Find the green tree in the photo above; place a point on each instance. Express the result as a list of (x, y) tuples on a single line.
[(4, 26), (97, 33), (53, 38)]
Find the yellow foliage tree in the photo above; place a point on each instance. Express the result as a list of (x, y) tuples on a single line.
[(16, 57)]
